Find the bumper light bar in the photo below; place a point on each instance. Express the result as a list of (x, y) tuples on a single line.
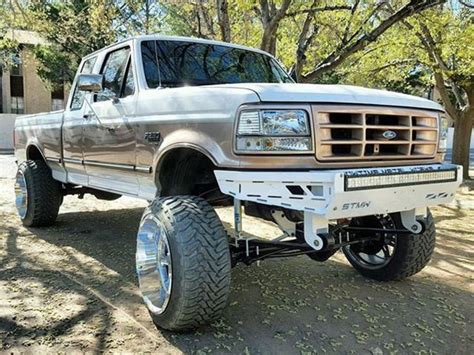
[(381, 180)]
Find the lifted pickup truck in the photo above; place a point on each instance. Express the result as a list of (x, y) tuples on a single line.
[(188, 124)]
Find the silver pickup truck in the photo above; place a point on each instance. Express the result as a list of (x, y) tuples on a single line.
[(188, 124)]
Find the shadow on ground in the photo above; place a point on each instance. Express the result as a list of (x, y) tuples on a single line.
[(73, 286)]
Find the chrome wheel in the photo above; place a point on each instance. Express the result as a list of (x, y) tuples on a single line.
[(21, 194), (377, 252), (153, 262)]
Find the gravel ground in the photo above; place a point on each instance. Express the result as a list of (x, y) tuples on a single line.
[(72, 288)]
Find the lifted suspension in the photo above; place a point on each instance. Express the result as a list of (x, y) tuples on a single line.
[(250, 250)]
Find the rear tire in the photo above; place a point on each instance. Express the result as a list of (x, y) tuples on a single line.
[(410, 255), (183, 262), (38, 195)]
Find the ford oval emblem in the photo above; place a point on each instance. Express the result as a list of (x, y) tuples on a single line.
[(389, 134)]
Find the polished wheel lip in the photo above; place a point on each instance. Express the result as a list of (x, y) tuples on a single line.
[(154, 264), (21, 194), (382, 257)]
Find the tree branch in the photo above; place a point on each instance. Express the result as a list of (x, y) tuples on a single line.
[(443, 92), (349, 22), (471, 6), (338, 56), (305, 39), (392, 64), (319, 9), (271, 18)]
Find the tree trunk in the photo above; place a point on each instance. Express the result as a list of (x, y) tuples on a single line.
[(462, 140), (268, 43), (223, 19)]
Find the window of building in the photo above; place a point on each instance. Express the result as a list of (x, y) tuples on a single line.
[(57, 99), (16, 88), (16, 82), (17, 69), (17, 105), (57, 104)]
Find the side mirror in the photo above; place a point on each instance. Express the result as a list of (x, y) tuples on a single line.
[(90, 82)]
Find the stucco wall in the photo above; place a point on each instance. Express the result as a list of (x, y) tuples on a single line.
[(37, 96), (7, 123)]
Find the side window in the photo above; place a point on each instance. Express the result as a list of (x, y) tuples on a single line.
[(129, 83), (114, 73), (78, 96), (150, 64)]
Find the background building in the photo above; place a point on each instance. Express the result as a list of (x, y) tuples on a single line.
[(21, 89)]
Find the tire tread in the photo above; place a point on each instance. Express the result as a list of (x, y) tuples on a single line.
[(44, 194), (413, 253), (206, 258)]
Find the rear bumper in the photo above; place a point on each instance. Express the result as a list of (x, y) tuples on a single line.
[(345, 193)]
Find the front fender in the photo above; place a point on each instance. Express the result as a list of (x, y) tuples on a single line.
[(217, 152)]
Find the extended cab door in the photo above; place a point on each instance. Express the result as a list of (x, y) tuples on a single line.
[(72, 133), (109, 134)]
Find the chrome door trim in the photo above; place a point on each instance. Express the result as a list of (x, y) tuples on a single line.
[(53, 160), (73, 161), (143, 169), (109, 165)]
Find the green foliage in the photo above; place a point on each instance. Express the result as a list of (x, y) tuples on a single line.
[(399, 61), (54, 65), (396, 60), (75, 28), (8, 51)]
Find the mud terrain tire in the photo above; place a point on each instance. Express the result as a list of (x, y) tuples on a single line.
[(412, 253), (43, 194), (200, 258)]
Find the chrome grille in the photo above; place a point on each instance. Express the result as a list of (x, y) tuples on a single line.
[(349, 133)]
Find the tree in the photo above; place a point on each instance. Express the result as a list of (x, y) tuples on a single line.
[(343, 27), (354, 42), (9, 48), (433, 49), (76, 28), (452, 65)]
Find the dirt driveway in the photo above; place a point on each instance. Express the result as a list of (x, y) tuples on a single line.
[(72, 287)]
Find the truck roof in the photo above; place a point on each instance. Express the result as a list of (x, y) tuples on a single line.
[(177, 38)]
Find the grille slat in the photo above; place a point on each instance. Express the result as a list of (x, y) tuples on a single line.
[(374, 134)]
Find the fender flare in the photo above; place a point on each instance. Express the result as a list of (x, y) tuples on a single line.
[(159, 158), (33, 143)]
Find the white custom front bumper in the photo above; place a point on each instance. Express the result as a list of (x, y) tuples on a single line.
[(331, 194)]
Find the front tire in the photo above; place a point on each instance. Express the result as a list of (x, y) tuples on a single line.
[(37, 195), (395, 256), (183, 262)]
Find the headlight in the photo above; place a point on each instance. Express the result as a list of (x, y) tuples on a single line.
[(443, 133), (274, 131)]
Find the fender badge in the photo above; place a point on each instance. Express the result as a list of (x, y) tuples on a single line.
[(153, 137)]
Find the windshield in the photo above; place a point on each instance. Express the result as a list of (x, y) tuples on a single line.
[(179, 63)]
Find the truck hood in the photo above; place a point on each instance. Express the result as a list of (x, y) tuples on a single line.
[(343, 94)]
